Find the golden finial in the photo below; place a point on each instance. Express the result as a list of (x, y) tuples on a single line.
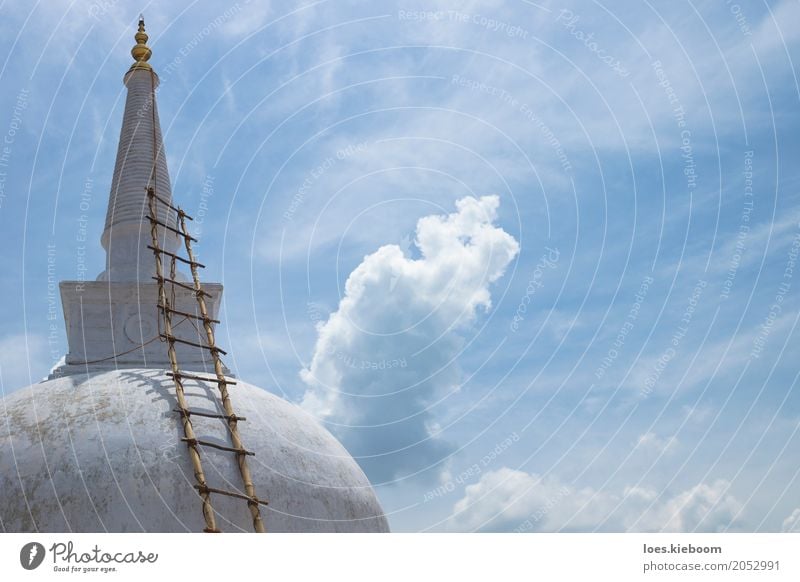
[(141, 52)]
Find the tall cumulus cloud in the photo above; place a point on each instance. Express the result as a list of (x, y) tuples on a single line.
[(385, 357)]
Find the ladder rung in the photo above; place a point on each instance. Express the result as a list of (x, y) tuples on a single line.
[(201, 378), (203, 443), (172, 338), (176, 257), (186, 314), (173, 229), (207, 489), (181, 284), (151, 192), (209, 415)]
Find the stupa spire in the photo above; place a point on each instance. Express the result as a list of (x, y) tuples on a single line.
[(141, 163), (141, 52), (113, 322)]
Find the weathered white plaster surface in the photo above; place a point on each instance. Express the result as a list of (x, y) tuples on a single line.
[(113, 325), (102, 453)]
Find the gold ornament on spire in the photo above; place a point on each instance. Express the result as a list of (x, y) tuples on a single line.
[(141, 52)]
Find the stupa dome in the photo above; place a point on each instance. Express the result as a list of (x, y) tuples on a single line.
[(102, 452)]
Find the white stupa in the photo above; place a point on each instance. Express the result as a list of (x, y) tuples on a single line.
[(97, 446)]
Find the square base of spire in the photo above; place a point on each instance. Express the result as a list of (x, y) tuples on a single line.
[(113, 325)]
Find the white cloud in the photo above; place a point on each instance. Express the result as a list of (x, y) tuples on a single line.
[(252, 18), (710, 361), (774, 30), (697, 414), (792, 523), (652, 443), (511, 500), (704, 507), (384, 357)]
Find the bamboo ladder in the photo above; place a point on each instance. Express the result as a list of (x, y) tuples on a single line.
[(167, 309)]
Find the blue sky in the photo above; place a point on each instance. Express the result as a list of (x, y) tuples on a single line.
[(533, 263)]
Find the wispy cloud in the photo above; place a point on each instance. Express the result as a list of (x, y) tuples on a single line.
[(511, 500)]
